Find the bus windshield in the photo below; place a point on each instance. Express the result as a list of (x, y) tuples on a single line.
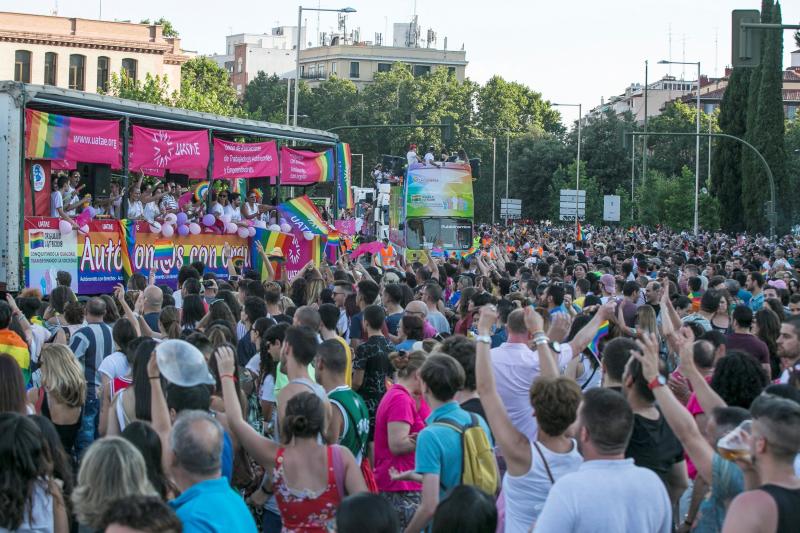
[(447, 233)]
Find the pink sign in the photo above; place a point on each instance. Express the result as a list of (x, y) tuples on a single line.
[(345, 227), (302, 167), (181, 152), (51, 136), (245, 160), (298, 255)]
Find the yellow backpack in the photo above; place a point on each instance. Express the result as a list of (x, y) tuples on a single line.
[(479, 467)]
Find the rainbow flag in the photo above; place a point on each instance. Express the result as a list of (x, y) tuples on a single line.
[(695, 297), (239, 186), (37, 240), (163, 250), (46, 135), (579, 236), (319, 245), (304, 216), (344, 176), (129, 237), (602, 331), (201, 191), (13, 345), (269, 241)]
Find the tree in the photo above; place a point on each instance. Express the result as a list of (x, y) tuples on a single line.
[(206, 87), (537, 156), (603, 149), (669, 155), (726, 184), (765, 130), (153, 90), (265, 98), (792, 143), (669, 201), (504, 105), (333, 102), (167, 30)]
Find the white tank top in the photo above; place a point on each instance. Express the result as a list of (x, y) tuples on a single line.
[(525, 495), (590, 378)]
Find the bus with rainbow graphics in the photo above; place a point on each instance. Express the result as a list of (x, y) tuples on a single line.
[(432, 209)]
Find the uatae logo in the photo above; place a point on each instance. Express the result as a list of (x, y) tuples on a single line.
[(37, 171)]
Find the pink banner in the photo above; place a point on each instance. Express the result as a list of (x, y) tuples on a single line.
[(298, 255), (302, 167), (181, 152), (245, 160), (345, 227), (51, 136)]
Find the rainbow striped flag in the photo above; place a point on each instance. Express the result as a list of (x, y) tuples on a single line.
[(318, 246), (201, 191), (695, 297), (602, 331), (127, 227), (163, 250), (326, 167), (46, 136), (37, 240), (13, 345), (269, 241), (344, 176), (304, 216)]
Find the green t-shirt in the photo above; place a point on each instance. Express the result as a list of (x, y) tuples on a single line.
[(355, 430), (281, 379)]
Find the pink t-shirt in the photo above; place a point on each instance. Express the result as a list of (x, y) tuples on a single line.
[(397, 405), (693, 406)]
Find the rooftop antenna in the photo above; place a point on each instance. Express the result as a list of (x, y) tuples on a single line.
[(669, 37), (319, 5), (716, 52), (683, 59), (55, 8)]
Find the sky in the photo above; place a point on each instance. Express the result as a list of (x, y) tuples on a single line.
[(571, 51)]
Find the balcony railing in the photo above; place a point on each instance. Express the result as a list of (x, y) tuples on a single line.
[(314, 76)]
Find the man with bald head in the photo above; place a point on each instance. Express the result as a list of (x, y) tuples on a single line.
[(420, 309), (207, 502), (152, 298)]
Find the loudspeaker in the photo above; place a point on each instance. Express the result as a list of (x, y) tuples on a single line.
[(97, 179)]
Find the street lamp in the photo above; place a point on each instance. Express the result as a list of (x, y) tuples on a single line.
[(297, 63), (578, 164), (697, 142)]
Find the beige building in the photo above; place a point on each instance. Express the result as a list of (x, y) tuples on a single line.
[(359, 62), (82, 54)]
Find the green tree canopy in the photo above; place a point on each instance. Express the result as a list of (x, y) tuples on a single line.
[(167, 29), (205, 86)]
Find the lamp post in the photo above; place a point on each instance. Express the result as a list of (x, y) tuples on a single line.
[(578, 163), (299, 43), (697, 140)]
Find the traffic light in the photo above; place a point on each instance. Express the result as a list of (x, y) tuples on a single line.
[(746, 42), (447, 130)]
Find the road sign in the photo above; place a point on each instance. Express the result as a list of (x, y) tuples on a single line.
[(611, 204), (568, 200), (746, 42), (510, 208)]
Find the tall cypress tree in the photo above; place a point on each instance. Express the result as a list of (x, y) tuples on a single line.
[(768, 132), (752, 195), (726, 183)]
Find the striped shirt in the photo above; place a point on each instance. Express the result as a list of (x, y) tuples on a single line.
[(91, 344)]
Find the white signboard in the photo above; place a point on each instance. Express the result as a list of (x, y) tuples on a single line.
[(510, 208), (568, 200), (611, 205)]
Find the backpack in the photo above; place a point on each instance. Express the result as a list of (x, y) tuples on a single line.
[(479, 467)]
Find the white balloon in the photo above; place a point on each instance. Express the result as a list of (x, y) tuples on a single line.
[(274, 227), (286, 228), (251, 231), (308, 235)]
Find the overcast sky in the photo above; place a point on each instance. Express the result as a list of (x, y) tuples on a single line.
[(569, 50)]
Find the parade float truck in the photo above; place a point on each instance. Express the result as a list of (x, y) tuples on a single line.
[(45, 130), (432, 209)]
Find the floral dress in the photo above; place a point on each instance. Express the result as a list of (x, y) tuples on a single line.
[(304, 510)]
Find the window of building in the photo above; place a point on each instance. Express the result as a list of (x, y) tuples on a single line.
[(312, 71), (103, 68), (421, 70), (22, 66), (451, 71), (77, 72), (355, 69), (129, 68), (50, 68), (791, 112), (321, 70), (333, 67), (302, 71), (384, 67)]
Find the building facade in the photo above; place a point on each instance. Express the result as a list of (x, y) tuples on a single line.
[(359, 62), (247, 54), (82, 54)]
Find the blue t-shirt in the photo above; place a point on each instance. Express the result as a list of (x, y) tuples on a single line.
[(356, 323), (227, 456), (212, 506), (393, 321), (439, 447), (727, 481)]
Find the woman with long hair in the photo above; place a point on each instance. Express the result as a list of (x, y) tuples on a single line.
[(60, 296), (767, 327), (147, 441), (218, 311), (305, 471), (12, 386), (410, 331), (169, 323), (133, 403), (314, 287), (111, 469), (61, 397), (399, 419), (30, 499), (721, 319), (192, 312), (584, 369), (63, 464)]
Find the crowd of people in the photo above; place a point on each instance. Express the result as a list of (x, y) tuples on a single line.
[(632, 380)]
